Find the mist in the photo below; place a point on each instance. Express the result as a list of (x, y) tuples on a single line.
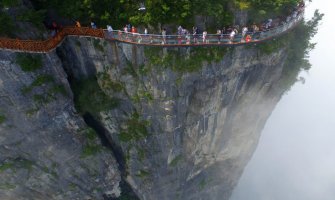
[(295, 158)]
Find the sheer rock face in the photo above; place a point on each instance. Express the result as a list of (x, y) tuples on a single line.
[(203, 120), (43, 139), (203, 125)]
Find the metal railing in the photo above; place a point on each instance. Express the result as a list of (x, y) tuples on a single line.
[(199, 40), (146, 39)]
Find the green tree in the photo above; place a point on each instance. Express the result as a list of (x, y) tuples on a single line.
[(6, 24), (161, 12), (9, 3)]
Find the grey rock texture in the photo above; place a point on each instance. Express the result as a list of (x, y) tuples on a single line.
[(203, 122), (43, 140)]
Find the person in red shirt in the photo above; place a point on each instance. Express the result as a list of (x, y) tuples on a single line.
[(133, 29), (248, 38)]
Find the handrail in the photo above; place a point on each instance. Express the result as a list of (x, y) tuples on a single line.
[(198, 40), (44, 46)]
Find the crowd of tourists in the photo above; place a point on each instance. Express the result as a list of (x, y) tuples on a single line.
[(195, 35)]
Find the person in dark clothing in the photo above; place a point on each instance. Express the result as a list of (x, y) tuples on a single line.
[(195, 34), (128, 27)]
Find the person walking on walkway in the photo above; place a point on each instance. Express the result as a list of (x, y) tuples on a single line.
[(164, 36), (223, 30), (55, 27), (188, 38), (125, 32), (133, 30), (253, 27), (110, 30), (134, 35), (218, 32), (195, 34), (145, 37), (229, 29), (128, 27), (180, 30), (179, 39), (204, 37), (93, 25), (244, 31), (268, 24), (232, 35), (248, 38)]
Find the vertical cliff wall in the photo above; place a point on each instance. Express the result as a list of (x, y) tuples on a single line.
[(182, 122), (188, 119), (46, 149)]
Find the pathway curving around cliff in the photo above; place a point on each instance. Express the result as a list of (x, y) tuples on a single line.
[(34, 46)]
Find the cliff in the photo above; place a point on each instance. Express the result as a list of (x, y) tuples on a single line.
[(175, 123), (188, 119), (180, 123), (46, 149)]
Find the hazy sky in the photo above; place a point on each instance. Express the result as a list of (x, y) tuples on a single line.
[(295, 159)]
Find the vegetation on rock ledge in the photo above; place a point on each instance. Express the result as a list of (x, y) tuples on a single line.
[(297, 44), (108, 84), (92, 145), (29, 62), (134, 129), (7, 24), (90, 98), (2, 118), (179, 60), (299, 49), (50, 90), (16, 163)]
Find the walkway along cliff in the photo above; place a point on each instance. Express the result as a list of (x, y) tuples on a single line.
[(145, 39), (184, 120)]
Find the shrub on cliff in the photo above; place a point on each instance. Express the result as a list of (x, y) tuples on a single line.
[(90, 98), (35, 17), (29, 62), (135, 129), (6, 24), (298, 50), (2, 119)]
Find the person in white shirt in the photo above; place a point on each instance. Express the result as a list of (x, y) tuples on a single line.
[(244, 31), (232, 35), (204, 36), (110, 30)]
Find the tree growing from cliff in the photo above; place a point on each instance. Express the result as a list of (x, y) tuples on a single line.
[(299, 46), (7, 24)]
